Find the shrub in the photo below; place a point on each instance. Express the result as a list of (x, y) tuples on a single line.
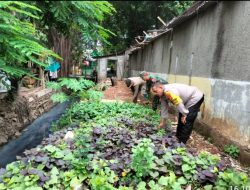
[(68, 87), (232, 150), (143, 157)]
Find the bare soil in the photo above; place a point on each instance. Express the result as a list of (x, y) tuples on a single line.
[(16, 115), (118, 92)]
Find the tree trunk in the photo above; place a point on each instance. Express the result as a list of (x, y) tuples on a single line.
[(41, 76), (62, 46)]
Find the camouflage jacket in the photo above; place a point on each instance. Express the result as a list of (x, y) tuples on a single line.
[(153, 79)]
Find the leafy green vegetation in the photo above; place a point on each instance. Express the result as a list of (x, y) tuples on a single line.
[(232, 150), (133, 17), (59, 97), (30, 31), (143, 158), (91, 95), (82, 112), (72, 27), (19, 38), (20, 41), (230, 178), (73, 88), (116, 146)]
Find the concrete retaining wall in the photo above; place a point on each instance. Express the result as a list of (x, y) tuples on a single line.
[(15, 116)]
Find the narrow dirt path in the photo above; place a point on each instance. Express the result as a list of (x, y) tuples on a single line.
[(120, 92), (196, 142)]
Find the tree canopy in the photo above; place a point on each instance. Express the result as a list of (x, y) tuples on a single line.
[(19, 40), (134, 17), (68, 17), (73, 26), (30, 30)]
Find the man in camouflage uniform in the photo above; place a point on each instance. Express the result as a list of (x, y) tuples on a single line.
[(149, 81)]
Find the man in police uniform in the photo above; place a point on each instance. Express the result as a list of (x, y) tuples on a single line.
[(187, 100)]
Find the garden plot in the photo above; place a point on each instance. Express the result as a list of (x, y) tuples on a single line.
[(116, 146)]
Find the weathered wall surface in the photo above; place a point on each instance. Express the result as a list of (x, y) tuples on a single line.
[(103, 63), (102, 68), (232, 59), (210, 51), (194, 44), (15, 116), (120, 67)]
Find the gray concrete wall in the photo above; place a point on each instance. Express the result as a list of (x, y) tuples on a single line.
[(233, 53), (231, 103), (120, 67), (153, 58), (219, 40), (102, 66), (197, 37), (212, 52)]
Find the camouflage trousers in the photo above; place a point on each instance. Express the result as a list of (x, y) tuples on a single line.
[(155, 102)]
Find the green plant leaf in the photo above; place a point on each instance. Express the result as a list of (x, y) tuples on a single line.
[(163, 181), (182, 181), (208, 187), (185, 167), (154, 174), (75, 182), (141, 186), (59, 97)]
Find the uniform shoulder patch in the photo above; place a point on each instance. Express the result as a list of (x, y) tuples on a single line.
[(175, 99)]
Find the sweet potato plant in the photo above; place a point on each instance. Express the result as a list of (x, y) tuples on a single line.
[(116, 146)]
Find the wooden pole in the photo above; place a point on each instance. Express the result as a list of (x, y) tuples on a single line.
[(41, 76), (41, 72), (162, 21)]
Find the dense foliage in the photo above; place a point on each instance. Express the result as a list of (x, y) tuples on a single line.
[(30, 30), (69, 88), (68, 17), (71, 27), (116, 146), (19, 39), (91, 95), (134, 17), (232, 150), (97, 110)]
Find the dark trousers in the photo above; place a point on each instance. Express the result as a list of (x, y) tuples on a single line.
[(184, 130), (133, 89), (155, 102)]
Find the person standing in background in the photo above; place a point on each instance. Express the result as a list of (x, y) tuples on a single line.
[(94, 74)]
